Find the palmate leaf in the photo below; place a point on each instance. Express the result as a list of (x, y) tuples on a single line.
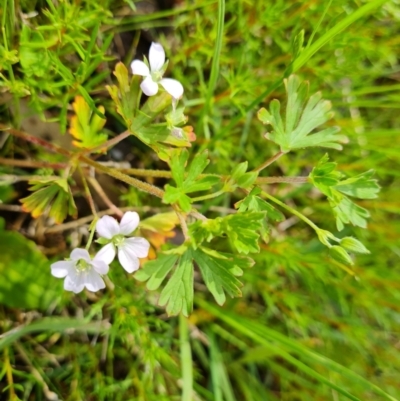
[(50, 195), (301, 119), (190, 182), (86, 127), (241, 228), (219, 271), (331, 183), (177, 295)]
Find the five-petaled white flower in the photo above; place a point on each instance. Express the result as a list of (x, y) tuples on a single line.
[(81, 271), (129, 249), (154, 75)]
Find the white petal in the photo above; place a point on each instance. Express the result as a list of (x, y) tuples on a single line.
[(149, 87), (129, 222), (128, 259), (62, 268), (106, 254), (156, 57), (100, 266), (74, 283), (139, 68), (80, 253), (93, 282), (138, 245), (173, 87), (107, 227)]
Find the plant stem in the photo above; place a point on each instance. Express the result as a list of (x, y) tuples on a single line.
[(285, 180), (35, 140), (291, 210), (87, 192), (31, 164), (186, 360), (96, 186), (8, 369), (143, 186), (269, 161), (147, 173), (182, 222), (107, 144)]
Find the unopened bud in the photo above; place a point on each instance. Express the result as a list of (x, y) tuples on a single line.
[(353, 245), (338, 253)]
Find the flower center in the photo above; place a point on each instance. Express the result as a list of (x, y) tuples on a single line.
[(82, 265), (156, 76), (118, 240)]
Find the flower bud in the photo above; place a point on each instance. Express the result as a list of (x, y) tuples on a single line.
[(338, 253), (353, 245)]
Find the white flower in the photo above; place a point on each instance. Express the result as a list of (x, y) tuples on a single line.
[(81, 271), (154, 76), (129, 249)]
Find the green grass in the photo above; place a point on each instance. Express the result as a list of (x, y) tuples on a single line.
[(306, 327)]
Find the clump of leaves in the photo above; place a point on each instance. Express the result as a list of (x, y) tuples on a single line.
[(190, 182), (50, 195), (219, 271), (302, 117), (138, 121), (338, 190)]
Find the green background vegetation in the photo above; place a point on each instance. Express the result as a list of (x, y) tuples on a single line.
[(305, 322)]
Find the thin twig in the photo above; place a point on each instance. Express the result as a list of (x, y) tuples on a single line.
[(269, 161), (32, 164), (198, 215), (107, 144), (97, 187), (89, 197), (11, 208), (35, 140), (182, 222), (144, 186), (88, 219), (13, 178), (50, 395)]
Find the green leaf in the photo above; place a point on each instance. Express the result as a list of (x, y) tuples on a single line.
[(177, 295), (347, 212), (302, 118), (219, 272), (241, 228), (155, 271), (361, 186), (254, 203), (190, 182), (330, 182), (241, 179), (173, 195)]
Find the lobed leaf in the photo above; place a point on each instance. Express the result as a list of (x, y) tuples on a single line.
[(301, 119)]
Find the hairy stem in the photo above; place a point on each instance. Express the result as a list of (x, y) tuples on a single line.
[(143, 186)]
